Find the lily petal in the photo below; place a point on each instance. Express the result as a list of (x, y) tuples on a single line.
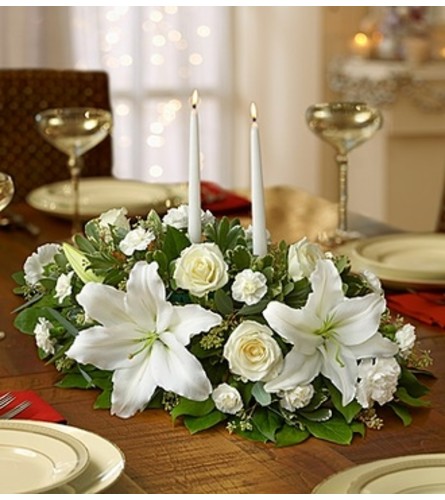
[(298, 369), (146, 295), (175, 369), (132, 388), (104, 304), (358, 319), (190, 320), (327, 289), (107, 348), (375, 347), (340, 367), (294, 325)]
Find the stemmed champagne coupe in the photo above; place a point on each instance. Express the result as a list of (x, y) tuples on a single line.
[(6, 190), (74, 131), (343, 125)]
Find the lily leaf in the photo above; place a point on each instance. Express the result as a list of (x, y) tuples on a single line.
[(402, 412), (267, 422), (103, 401), (223, 302), (403, 396), (349, 411)]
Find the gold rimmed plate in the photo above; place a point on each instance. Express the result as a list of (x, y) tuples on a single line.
[(416, 474), (414, 260), (36, 459), (99, 194)]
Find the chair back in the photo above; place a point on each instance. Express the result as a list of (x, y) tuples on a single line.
[(24, 153)]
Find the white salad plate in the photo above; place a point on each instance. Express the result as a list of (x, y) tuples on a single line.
[(105, 465), (402, 259), (36, 459), (416, 474), (99, 194)]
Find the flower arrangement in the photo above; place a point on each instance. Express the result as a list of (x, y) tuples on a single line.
[(280, 347)]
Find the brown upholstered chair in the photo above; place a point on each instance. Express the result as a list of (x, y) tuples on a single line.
[(24, 153)]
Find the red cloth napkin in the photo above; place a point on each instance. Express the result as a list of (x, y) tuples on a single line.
[(220, 201), (39, 409), (427, 307)]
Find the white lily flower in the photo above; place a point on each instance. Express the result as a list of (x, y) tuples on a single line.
[(329, 334), (143, 338)]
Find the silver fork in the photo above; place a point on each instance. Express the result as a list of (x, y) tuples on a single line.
[(16, 410), (5, 399)]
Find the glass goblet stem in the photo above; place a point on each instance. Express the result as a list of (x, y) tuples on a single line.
[(75, 164), (342, 163)]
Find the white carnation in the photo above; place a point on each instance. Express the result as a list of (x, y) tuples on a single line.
[(406, 338), (116, 217), (227, 399), (42, 336), (373, 281), (63, 286), (35, 263), (249, 287), (137, 239), (296, 398), (302, 259), (178, 217), (378, 380)]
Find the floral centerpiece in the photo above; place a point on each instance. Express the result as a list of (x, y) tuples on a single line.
[(280, 347)]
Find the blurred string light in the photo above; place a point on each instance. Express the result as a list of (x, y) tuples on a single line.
[(153, 56)]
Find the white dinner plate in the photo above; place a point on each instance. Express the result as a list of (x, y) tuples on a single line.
[(417, 474), (105, 465), (36, 459), (402, 259), (99, 194)]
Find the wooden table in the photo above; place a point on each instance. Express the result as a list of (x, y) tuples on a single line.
[(162, 457)]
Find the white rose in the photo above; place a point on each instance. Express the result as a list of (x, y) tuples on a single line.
[(249, 287), (253, 353), (406, 338), (302, 259), (378, 380), (42, 336), (178, 217), (35, 263), (296, 398), (63, 286), (201, 269), (227, 399), (137, 239), (115, 217)]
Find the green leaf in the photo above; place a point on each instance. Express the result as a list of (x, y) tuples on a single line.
[(253, 435), (74, 381), (241, 258), (70, 328), (193, 408), (335, 430), (289, 435), (403, 396), (267, 422), (358, 428), (253, 309), (103, 401), (26, 320), (197, 424), (223, 302), (83, 244), (261, 396), (412, 385), (402, 412), (320, 415), (19, 278), (174, 243), (349, 411)]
